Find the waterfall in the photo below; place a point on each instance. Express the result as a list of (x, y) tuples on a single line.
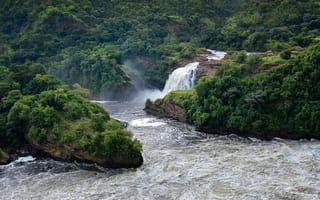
[(182, 78), (216, 55)]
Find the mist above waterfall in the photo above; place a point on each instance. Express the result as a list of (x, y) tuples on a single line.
[(182, 78)]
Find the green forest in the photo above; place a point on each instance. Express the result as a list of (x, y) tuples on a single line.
[(66, 37), (260, 95), (52, 53), (39, 110)]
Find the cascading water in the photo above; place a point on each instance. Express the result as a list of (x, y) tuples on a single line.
[(179, 163), (216, 55), (182, 78)]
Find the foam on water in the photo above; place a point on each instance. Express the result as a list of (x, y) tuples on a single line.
[(25, 159), (216, 55), (100, 101), (179, 163), (146, 122)]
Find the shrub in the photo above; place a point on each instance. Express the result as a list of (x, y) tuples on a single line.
[(241, 57), (37, 134), (286, 54)]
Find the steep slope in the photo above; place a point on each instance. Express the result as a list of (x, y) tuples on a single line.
[(68, 36)]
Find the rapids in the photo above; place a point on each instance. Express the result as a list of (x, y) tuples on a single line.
[(179, 163)]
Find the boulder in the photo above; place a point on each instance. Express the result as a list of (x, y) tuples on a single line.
[(167, 107), (69, 153)]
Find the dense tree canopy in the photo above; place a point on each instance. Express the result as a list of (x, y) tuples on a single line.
[(283, 101), (39, 109), (84, 43), (68, 36)]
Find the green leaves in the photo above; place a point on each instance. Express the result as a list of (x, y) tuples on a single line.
[(65, 118), (282, 101), (95, 68)]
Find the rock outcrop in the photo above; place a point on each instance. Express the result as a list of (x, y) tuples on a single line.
[(69, 153), (4, 158), (206, 66), (167, 108)]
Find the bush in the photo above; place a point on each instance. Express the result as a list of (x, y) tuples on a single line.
[(241, 57), (37, 134), (286, 54), (85, 93), (98, 122), (73, 110)]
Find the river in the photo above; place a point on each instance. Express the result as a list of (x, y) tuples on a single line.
[(179, 163)]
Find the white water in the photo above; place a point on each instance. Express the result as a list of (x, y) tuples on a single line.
[(182, 78), (219, 55), (144, 122), (98, 101), (25, 159), (216, 55), (145, 94), (179, 163)]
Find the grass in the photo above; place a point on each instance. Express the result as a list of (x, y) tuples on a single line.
[(180, 96), (272, 59)]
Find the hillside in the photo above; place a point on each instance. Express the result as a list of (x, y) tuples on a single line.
[(49, 46), (86, 41)]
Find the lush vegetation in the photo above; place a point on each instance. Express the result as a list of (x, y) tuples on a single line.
[(80, 41), (84, 43), (247, 97), (37, 108), (271, 25), (98, 68)]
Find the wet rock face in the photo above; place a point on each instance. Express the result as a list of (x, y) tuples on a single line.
[(175, 111), (206, 66), (169, 108)]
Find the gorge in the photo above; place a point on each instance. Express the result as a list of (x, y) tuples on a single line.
[(160, 100), (179, 163)]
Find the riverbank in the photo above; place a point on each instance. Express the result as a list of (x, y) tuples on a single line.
[(173, 109), (180, 163), (262, 95)]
